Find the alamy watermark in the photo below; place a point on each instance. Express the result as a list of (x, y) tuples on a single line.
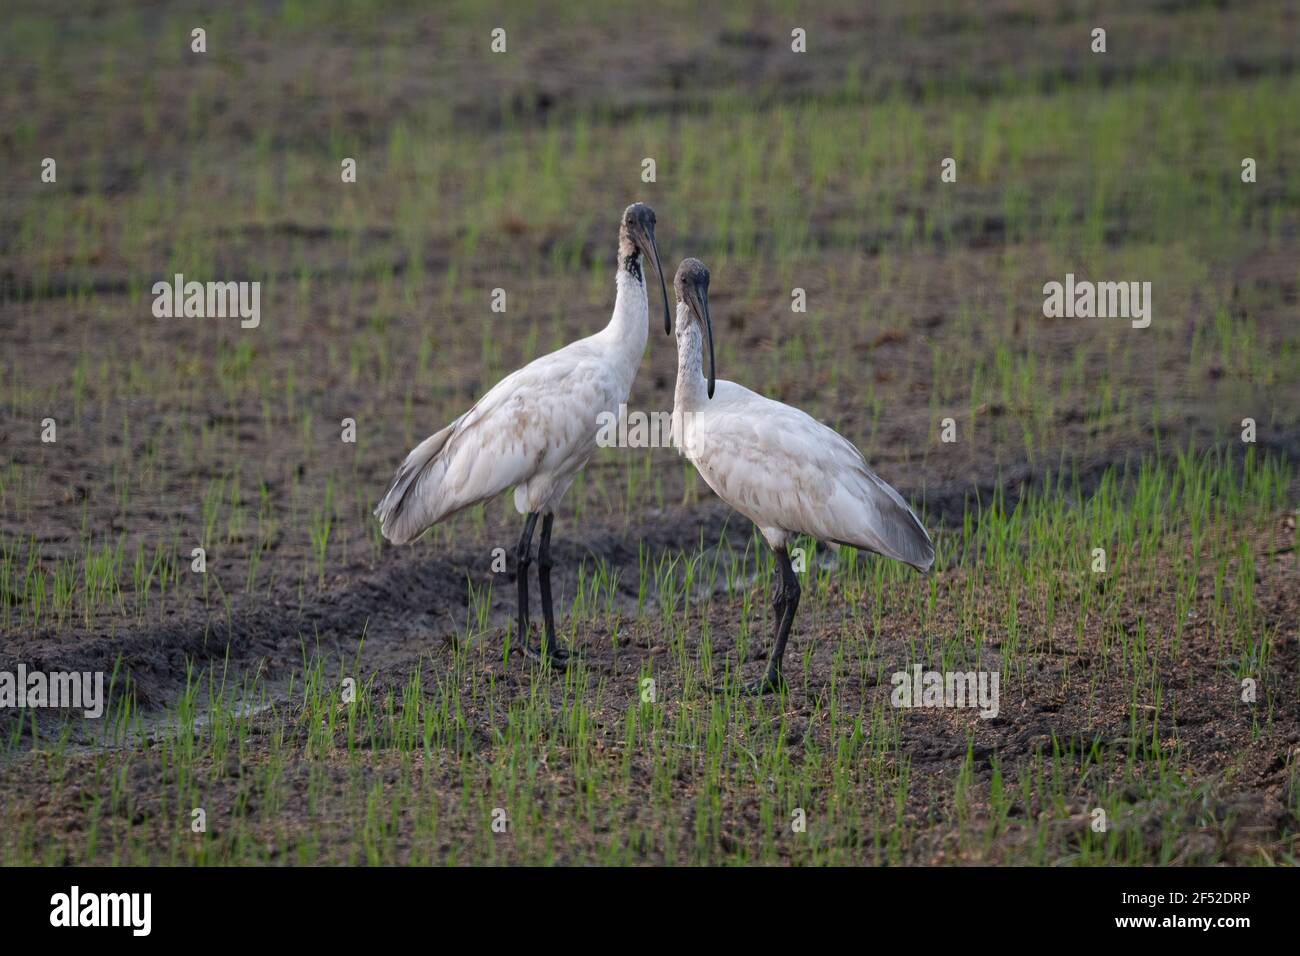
[(1100, 300), (129, 910), (208, 300), (74, 690), (637, 429), (946, 689)]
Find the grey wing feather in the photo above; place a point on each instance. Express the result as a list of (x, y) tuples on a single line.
[(399, 525)]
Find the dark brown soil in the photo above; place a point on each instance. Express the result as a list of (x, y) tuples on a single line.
[(150, 420)]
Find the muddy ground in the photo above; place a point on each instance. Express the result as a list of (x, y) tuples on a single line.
[(172, 433)]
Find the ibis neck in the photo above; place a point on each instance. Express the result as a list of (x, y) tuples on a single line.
[(692, 389), (629, 325)]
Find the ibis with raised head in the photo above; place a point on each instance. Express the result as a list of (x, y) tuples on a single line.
[(534, 431)]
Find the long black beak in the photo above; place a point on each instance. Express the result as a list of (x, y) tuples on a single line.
[(651, 251), (700, 304)]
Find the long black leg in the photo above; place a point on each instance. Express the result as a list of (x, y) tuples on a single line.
[(790, 592), (784, 603), (552, 646), (523, 558)]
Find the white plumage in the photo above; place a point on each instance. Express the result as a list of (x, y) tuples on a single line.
[(781, 468), (535, 429), (791, 475)]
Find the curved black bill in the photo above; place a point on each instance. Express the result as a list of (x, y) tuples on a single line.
[(652, 252), (698, 299), (708, 327)]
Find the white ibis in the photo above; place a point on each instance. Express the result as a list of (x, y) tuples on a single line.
[(534, 431), (782, 469)]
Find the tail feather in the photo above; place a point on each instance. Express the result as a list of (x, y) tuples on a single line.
[(899, 533), (400, 517)]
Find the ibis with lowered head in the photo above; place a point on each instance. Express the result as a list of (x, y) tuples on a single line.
[(781, 468)]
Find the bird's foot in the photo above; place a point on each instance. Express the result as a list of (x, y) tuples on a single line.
[(766, 684), (557, 657)]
